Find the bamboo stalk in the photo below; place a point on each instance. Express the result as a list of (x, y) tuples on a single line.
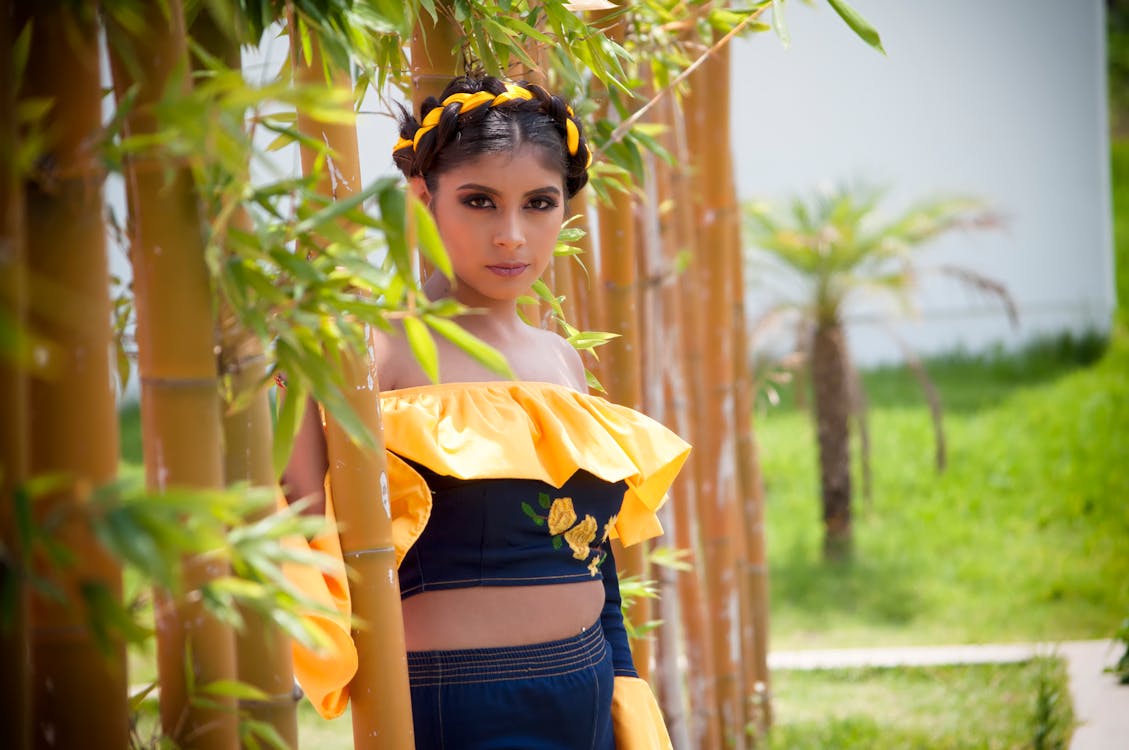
[(754, 565), (263, 656), (78, 689), (435, 53), (747, 510), (381, 703), (15, 654), (723, 539), (684, 383), (620, 363), (179, 389)]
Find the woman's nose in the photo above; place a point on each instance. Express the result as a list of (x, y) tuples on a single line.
[(509, 233)]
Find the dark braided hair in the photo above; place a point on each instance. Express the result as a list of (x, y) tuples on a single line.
[(484, 115)]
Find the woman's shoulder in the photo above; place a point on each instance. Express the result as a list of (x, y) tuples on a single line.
[(560, 356)]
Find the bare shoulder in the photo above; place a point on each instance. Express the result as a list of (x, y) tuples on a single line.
[(566, 358), (392, 356)]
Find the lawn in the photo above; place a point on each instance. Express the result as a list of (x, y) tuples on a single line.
[(982, 707), (1022, 538)]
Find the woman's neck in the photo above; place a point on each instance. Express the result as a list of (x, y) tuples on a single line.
[(498, 317)]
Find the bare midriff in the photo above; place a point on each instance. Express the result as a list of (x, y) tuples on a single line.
[(491, 616)]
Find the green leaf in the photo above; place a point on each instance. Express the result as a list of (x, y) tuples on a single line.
[(858, 24), (286, 427), (234, 689), (479, 350), (543, 500), (337, 209), (528, 510), (393, 211), (558, 541), (427, 233), (423, 347), (779, 24)]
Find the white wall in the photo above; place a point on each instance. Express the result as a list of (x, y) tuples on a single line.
[(1003, 99)]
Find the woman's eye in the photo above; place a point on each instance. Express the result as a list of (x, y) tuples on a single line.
[(478, 201), (542, 204)]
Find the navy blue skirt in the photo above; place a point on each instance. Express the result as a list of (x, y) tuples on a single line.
[(546, 696)]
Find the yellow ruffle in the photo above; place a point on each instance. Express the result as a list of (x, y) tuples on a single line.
[(324, 673), (535, 431), (637, 720)]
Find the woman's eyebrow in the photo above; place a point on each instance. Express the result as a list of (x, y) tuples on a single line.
[(491, 191)]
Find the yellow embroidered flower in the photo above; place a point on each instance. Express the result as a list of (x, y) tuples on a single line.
[(594, 565), (580, 536), (608, 528), (561, 515)]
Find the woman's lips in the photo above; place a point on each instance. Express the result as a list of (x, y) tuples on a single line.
[(508, 269)]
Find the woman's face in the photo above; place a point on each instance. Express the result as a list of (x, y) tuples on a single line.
[(499, 216)]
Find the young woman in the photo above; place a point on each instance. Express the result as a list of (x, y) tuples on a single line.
[(510, 596)]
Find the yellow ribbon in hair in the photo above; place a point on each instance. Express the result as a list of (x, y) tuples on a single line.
[(512, 93), (470, 101), (402, 143), (572, 137)]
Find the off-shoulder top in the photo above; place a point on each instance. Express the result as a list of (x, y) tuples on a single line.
[(577, 467)]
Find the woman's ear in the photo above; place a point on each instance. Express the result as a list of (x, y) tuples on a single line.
[(419, 188)]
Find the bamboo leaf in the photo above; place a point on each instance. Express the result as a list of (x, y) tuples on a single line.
[(779, 24), (423, 347), (393, 212), (338, 208), (234, 689), (858, 24), (286, 426), (430, 243), (479, 350)]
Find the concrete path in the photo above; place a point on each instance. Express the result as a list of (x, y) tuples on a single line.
[(1101, 706)]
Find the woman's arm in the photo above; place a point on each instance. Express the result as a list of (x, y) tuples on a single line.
[(304, 476), (611, 618)]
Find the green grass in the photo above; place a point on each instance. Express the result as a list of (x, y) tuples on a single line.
[(982, 707), (1022, 538)]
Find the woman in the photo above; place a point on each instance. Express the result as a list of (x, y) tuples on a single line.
[(510, 597)]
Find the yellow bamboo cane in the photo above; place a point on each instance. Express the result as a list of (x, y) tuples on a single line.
[(78, 689), (686, 391), (381, 703), (722, 538), (180, 411), (620, 364), (746, 490), (263, 657), (15, 682), (435, 53)]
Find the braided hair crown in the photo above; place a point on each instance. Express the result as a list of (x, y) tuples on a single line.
[(483, 115)]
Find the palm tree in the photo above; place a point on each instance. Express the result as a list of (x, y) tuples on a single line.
[(838, 247)]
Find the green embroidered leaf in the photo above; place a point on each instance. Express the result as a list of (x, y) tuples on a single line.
[(543, 499), (528, 510), (557, 543)]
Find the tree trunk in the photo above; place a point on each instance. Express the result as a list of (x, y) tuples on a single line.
[(381, 703), (78, 688), (832, 411), (15, 654), (176, 337)]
